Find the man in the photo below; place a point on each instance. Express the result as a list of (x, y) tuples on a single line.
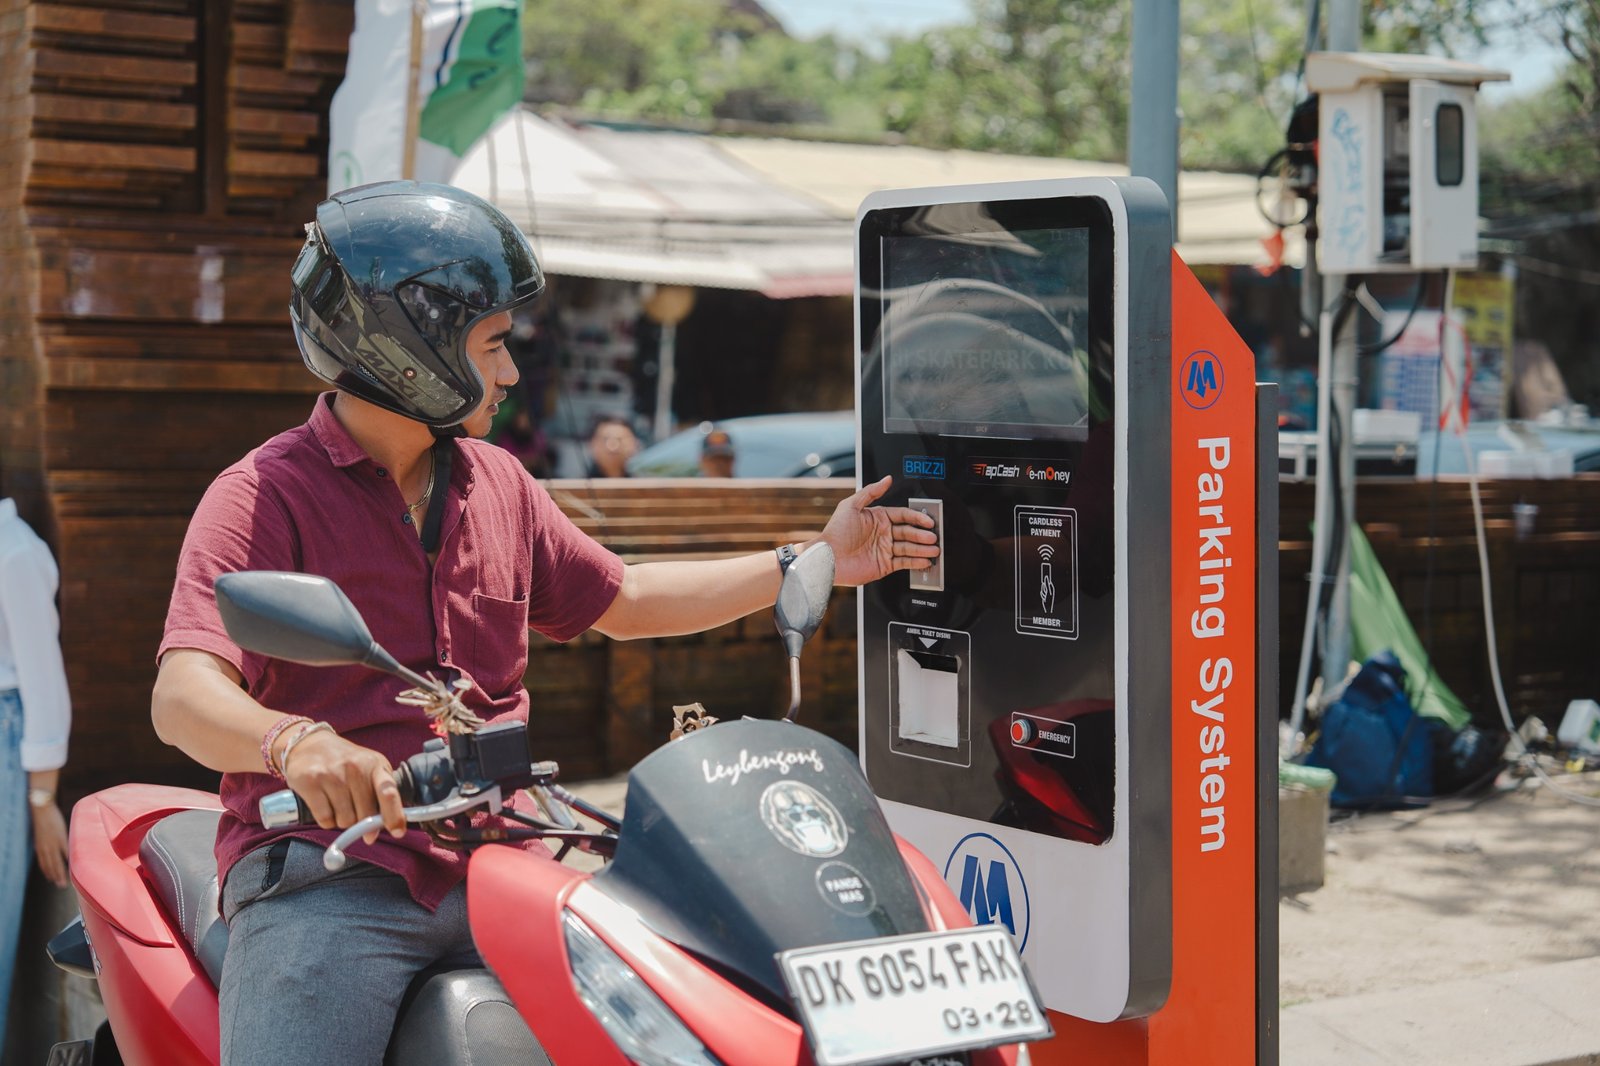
[(716, 454), (402, 299), (611, 445)]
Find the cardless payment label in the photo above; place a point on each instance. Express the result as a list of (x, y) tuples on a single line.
[(1047, 571)]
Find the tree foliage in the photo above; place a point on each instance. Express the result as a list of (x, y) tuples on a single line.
[(1540, 151), (677, 60), (1034, 77)]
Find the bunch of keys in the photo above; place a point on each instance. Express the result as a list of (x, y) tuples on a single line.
[(443, 705)]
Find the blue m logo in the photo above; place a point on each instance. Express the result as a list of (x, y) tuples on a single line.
[(1202, 377), (987, 898), (986, 878), (1200, 380)]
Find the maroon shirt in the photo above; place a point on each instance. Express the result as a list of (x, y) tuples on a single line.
[(310, 500)]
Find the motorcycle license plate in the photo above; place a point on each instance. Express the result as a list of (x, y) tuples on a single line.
[(905, 997)]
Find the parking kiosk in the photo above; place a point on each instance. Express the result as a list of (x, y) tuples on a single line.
[(1062, 713)]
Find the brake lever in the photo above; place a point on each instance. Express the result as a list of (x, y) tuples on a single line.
[(334, 858), (555, 810)]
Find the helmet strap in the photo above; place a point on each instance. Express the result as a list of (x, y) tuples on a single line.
[(444, 452)]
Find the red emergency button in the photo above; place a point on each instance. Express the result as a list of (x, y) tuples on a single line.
[(1022, 731)]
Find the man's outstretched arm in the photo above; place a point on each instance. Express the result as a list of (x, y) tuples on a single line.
[(669, 598)]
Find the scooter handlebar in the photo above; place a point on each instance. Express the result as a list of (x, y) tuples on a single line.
[(285, 808), (333, 859)]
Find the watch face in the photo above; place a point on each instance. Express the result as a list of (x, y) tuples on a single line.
[(40, 797)]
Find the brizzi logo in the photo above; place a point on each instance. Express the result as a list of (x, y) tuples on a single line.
[(988, 881), (924, 466)]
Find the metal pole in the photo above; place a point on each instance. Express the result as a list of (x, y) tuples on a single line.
[(1344, 35), (1344, 25), (408, 151), (666, 374), (1153, 104)]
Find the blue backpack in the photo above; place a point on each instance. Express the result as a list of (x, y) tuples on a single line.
[(1373, 740)]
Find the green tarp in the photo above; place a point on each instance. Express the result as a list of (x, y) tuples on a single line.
[(1377, 621)]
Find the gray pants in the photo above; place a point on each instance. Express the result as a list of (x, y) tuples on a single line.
[(317, 962)]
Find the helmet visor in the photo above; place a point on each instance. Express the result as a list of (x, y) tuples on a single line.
[(343, 343)]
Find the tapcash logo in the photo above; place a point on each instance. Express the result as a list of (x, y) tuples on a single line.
[(986, 878), (1200, 380), (996, 470)]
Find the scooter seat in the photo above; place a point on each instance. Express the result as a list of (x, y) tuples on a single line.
[(180, 860), (448, 1018)]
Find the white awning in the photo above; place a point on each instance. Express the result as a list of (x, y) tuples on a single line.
[(766, 215)]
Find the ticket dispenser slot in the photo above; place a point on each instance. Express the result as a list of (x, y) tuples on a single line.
[(929, 698), (930, 689)]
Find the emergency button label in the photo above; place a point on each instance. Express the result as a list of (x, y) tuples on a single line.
[(1048, 736), (1047, 571)]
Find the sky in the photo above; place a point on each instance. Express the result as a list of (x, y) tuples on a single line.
[(1531, 61)]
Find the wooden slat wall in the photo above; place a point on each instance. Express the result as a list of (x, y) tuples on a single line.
[(158, 159), (600, 706), (1545, 586)]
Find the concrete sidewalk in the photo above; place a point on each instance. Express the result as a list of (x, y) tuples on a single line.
[(1462, 933), (1543, 1016)]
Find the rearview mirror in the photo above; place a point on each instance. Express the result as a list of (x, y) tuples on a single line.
[(803, 596), (300, 618)]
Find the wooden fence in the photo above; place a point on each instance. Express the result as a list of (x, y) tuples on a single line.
[(599, 705)]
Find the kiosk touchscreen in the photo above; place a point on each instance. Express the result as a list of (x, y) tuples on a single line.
[(1013, 349)]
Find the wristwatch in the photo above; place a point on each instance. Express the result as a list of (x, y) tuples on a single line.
[(40, 797), (786, 556)]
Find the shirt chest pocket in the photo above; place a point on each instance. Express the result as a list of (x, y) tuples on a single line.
[(499, 643)]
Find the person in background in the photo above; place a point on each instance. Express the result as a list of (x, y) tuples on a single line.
[(716, 454), (35, 717), (523, 438), (611, 444)]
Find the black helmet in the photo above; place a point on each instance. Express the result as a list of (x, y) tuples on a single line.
[(391, 279)]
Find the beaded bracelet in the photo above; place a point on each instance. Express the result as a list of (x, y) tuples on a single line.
[(288, 737), (271, 738), (305, 731)]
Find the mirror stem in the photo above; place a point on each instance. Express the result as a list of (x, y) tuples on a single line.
[(416, 678), (794, 688), (379, 659)]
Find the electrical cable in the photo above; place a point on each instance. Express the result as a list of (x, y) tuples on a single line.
[(1433, 543), (1313, 31), (1524, 752), (1382, 346), (1255, 57), (1261, 177), (1321, 521)]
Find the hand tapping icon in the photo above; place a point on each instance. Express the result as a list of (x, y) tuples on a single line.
[(1047, 589)]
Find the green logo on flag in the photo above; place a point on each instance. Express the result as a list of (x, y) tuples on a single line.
[(484, 81)]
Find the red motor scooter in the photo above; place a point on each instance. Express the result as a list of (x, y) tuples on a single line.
[(756, 908)]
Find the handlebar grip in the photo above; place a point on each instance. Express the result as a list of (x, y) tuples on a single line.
[(284, 808)]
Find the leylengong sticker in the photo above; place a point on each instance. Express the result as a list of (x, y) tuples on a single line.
[(781, 761)]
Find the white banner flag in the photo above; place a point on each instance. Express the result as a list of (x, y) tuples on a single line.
[(470, 74)]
